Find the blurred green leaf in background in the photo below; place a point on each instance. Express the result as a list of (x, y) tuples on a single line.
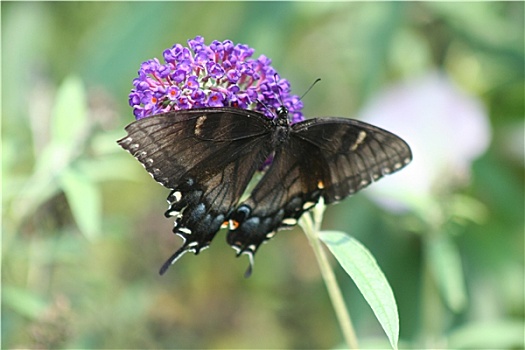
[(83, 230)]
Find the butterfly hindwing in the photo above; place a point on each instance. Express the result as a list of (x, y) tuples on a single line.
[(291, 186), (206, 157)]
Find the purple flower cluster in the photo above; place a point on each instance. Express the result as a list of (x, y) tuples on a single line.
[(218, 75)]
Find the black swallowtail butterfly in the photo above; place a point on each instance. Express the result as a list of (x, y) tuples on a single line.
[(207, 157)]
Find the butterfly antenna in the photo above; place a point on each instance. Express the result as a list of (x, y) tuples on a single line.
[(264, 105), (310, 88)]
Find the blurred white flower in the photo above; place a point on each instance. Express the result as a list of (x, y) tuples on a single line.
[(446, 130)]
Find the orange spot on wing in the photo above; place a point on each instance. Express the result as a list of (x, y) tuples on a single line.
[(234, 224)]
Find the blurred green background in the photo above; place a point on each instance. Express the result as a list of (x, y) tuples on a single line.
[(83, 231)]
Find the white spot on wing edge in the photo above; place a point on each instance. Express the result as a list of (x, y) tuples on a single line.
[(177, 196), (308, 205), (270, 234), (289, 221), (184, 230), (174, 213), (127, 140)]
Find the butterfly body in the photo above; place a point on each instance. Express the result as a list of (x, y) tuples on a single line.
[(208, 156)]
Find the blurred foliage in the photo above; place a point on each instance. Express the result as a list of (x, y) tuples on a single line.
[(83, 228)]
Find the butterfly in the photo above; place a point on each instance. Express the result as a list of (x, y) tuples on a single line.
[(207, 157)]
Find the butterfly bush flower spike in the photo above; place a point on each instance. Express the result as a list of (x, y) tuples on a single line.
[(217, 75)]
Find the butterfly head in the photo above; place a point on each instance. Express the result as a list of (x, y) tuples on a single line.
[(282, 116)]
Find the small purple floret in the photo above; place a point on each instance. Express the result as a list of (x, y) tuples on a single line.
[(218, 75)]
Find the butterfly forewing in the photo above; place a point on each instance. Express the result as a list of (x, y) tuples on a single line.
[(355, 153), (170, 145)]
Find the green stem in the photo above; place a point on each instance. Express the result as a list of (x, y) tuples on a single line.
[(334, 291), (432, 305)]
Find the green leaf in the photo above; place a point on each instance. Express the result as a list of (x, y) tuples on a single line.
[(495, 334), (85, 201), (361, 266), (69, 112), (41, 186), (68, 129), (23, 301), (446, 266)]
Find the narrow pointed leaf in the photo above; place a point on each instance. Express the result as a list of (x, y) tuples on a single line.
[(446, 266), (361, 266), (69, 112), (85, 201)]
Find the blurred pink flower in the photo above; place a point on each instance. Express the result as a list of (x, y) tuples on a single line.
[(446, 130)]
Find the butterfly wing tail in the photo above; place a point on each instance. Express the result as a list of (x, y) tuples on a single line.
[(172, 259)]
